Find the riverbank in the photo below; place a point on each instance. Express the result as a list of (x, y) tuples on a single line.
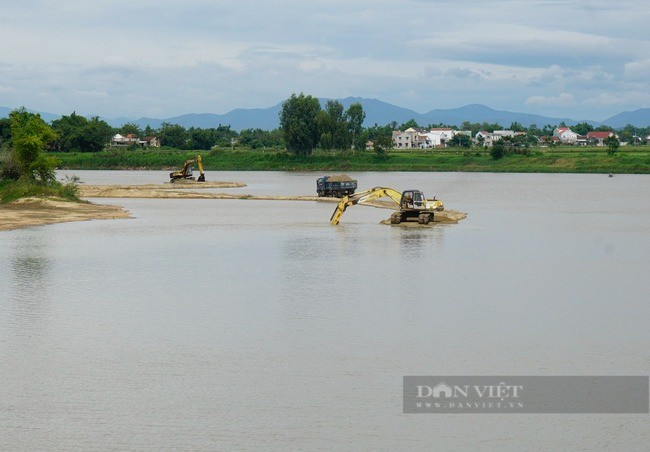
[(33, 211), (28, 212), (628, 160)]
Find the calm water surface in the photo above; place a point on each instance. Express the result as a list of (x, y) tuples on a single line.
[(233, 324)]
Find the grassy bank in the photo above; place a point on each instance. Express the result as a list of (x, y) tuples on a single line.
[(11, 190), (559, 160)]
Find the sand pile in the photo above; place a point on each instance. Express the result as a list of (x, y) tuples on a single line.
[(445, 216), (36, 211)]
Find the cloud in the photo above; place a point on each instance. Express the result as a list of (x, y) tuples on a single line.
[(561, 100), (118, 57), (637, 71)]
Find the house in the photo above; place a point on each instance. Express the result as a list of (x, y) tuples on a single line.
[(440, 136), (120, 140), (124, 141), (420, 138), (598, 138), (149, 142), (566, 135), (488, 138), (405, 140)]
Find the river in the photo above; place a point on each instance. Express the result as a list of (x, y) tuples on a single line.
[(240, 324)]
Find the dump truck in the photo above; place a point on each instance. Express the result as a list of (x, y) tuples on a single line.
[(411, 205), (336, 186)]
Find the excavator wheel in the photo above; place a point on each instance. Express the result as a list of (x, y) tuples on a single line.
[(396, 218)]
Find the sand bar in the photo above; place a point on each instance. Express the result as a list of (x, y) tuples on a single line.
[(35, 211), (28, 212)]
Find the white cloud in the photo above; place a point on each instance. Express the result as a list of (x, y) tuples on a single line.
[(120, 57), (561, 100), (637, 71)]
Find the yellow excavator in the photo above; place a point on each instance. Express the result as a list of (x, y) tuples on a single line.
[(412, 205), (186, 172)]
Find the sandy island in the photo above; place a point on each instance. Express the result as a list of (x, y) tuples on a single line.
[(34, 211)]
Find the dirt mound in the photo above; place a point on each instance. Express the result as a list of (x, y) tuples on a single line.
[(36, 211), (445, 216)]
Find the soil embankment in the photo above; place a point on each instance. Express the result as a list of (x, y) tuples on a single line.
[(182, 190), (36, 212)]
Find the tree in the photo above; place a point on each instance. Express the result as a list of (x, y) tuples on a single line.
[(534, 131), (173, 135), (582, 128), (69, 132), (30, 137), (298, 123), (460, 140), (612, 144), (334, 110), (76, 133), (202, 139), (5, 130), (409, 124), (517, 127), (131, 128), (96, 134), (258, 138), (355, 117), (498, 149)]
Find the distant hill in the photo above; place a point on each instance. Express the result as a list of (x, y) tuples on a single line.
[(638, 118), (49, 117), (377, 112), (480, 113)]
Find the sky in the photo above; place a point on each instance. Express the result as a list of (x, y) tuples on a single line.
[(581, 59)]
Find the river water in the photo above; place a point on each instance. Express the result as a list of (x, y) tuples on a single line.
[(239, 324)]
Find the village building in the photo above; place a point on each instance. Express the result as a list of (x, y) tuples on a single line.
[(598, 138), (565, 135), (119, 140)]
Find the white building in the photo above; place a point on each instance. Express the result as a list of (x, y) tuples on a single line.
[(566, 135), (405, 140)]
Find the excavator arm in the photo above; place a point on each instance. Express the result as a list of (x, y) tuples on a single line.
[(186, 171), (199, 163), (361, 197)]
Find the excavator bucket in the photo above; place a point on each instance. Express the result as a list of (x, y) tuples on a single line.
[(340, 208)]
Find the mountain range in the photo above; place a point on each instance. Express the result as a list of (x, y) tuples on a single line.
[(377, 112)]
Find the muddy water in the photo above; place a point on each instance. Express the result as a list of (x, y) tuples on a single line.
[(215, 325)]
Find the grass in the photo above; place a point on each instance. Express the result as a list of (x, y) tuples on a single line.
[(11, 190), (547, 160)]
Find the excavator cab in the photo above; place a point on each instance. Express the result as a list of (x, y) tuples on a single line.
[(413, 199)]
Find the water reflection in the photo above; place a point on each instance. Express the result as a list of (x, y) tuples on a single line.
[(29, 286), (420, 242)]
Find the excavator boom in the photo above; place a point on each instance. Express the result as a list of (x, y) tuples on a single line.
[(361, 197), (406, 206)]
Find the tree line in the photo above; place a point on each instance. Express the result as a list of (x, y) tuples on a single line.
[(304, 127)]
